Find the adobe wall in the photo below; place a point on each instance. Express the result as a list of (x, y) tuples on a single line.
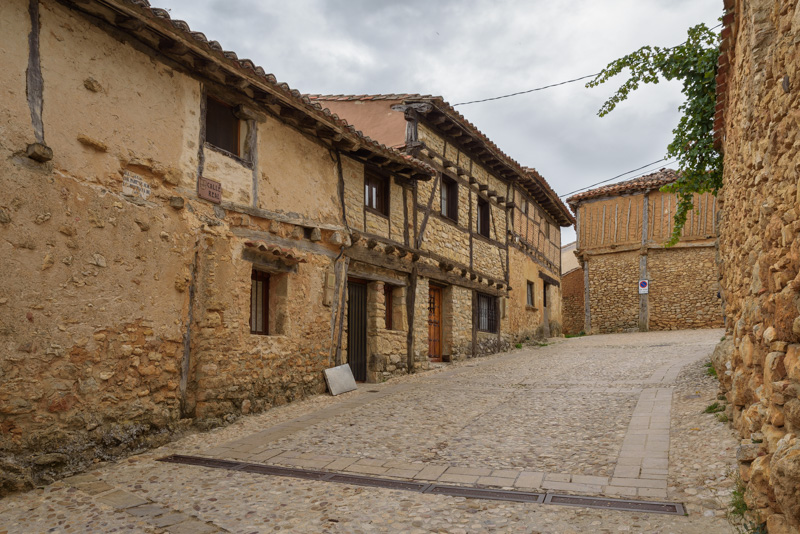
[(572, 300), (125, 306), (759, 253)]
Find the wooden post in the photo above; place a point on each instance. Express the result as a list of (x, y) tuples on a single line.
[(587, 311), (643, 299)]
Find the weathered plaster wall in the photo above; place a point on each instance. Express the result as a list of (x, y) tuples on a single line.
[(759, 253)]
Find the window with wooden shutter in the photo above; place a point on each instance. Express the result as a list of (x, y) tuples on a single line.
[(483, 217), (376, 192), (222, 126), (259, 303), (450, 198)]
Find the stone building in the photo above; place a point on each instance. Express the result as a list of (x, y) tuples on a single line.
[(487, 228), (572, 309), (756, 126), (621, 230), (185, 239)]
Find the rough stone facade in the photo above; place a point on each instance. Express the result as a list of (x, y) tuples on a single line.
[(759, 251), (126, 310), (572, 301), (621, 230), (133, 243)]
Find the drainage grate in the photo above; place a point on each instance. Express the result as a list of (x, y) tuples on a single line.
[(204, 462), (616, 504), (285, 472), (435, 489), (480, 493), (360, 480)]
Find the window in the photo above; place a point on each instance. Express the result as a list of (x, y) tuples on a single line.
[(483, 217), (376, 193), (387, 294), (546, 229), (450, 198), (259, 303), (524, 206), (222, 126), (545, 285), (487, 313), (531, 301)]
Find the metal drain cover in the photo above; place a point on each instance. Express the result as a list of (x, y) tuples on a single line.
[(435, 489), (616, 504), (481, 493)]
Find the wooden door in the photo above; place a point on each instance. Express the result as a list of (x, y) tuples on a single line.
[(357, 329), (435, 323)]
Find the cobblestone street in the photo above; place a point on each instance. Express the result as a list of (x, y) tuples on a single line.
[(617, 416)]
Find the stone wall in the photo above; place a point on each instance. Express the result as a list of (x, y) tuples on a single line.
[(613, 293), (572, 300), (759, 254), (684, 290)]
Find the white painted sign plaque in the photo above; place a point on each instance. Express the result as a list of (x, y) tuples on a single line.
[(644, 287), (340, 379)]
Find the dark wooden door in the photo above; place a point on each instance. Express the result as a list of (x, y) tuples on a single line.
[(435, 323), (357, 329)]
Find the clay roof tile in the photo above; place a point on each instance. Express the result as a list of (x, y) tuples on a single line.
[(642, 183)]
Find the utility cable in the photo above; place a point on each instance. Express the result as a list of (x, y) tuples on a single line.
[(546, 86), (618, 176)]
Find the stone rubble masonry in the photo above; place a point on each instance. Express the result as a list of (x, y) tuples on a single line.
[(125, 311), (759, 253), (572, 301)]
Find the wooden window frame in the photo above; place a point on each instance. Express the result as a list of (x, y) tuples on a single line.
[(212, 131), (378, 202), (449, 199), (484, 216), (531, 294), (257, 276), (488, 319)]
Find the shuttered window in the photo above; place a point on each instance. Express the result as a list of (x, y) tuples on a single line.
[(376, 192), (531, 300), (450, 198), (222, 126), (483, 217)]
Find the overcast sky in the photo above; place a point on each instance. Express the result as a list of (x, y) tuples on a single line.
[(471, 49)]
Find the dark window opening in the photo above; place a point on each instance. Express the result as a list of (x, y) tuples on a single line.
[(387, 294), (483, 217), (530, 294), (222, 126), (259, 303), (450, 198), (547, 229), (487, 313), (545, 285), (376, 193), (525, 207)]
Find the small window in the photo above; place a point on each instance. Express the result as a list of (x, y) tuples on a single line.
[(222, 126), (376, 193), (524, 207), (545, 285), (387, 294), (483, 217), (259, 303), (487, 313), (546, 229), (531, 301), (450, 198)]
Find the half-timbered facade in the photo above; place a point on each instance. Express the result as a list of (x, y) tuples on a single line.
[(486, 230)]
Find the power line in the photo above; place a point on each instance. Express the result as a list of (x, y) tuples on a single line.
[(546, 86), (525, 92), (618, 176)]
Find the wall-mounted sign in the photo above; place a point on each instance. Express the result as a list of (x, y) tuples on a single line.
[(644, 287), (210, 190), (134, 185)]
